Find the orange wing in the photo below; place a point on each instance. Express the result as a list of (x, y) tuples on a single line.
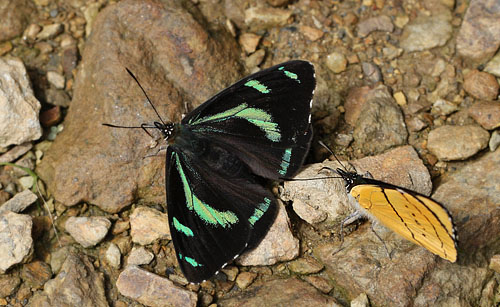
[(415, 217)]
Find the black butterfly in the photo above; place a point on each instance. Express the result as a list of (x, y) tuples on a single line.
[(259, 127)]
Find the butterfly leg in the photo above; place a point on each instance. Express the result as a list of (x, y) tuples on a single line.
[(383, 242), (356, 215), (156, 153)]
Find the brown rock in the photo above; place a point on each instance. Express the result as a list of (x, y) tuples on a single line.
[(103, 166), (320, 283), (457, 142), (495, 263), (478, 38), (281, 292), (36, 274), (481, 85), (249, 42), (8, 284), (379, 23), (152, 290), (486, 113), (245, 279), (305, 266), (312, 34), (51, 117), (355, 100), (261, 18), (147, 225), (5, 47), (15, 17)]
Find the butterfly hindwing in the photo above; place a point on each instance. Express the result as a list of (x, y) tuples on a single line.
[(264, 118), (216, 210), (414, 216)]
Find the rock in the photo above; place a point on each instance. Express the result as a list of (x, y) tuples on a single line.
[(481, 85), (16, 243), (361, 301), (5, 48), (88, 231), (426, 32), (371, 72), (147, 225), (36, 274), (355, 100), (77, 284), (262, 18), (495, 263), (478, 38), (69, 60), (320, 283), (90, 13), (278, 2), (280, 292), (443, 107), (245, 279), (139, 256), (400, 166), (253, 60), (50, 31), (15, 152), (113, 256), (15, 17), (9, 283), (19, 202), (311, 33), (56, 79), (18, 106), (249, 42), (105, 166), (415, 124), (400, 98), (336, 62), (279, 244), (51, 116), (120, 226), (449, 143), (231, 272), (390, 52), (380, 124), (58, 257), (494, 140), (305, 266), (486, 113), (152, 290), (493, 66), (379, 23)]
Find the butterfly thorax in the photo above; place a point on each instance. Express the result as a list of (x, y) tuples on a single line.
[(197, 148)]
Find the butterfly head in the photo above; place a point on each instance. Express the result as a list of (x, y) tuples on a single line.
[(166, 129), (351, 179)]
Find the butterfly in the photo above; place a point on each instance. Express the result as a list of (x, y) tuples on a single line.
[(218, 155), (412, 215)]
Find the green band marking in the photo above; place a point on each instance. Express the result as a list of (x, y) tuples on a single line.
[(208, 214), (184, 229), (289, 74), (190, 260), (258, 117), (258, 86), (259, 211), (285, 161)]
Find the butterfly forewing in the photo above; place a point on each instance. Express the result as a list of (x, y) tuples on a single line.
[(264, 118)]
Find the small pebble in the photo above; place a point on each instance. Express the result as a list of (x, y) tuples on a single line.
[(113, 256), (319, 283), (495, 263), (312, 34), (88, 231), (481, 85), (336, 62), (443, 107), (457, 142), (361, 301), (56, 79), (50, 31), (494, 140), (400, 98), (245, 279), (139, 256), (249, 42), (486, 113)]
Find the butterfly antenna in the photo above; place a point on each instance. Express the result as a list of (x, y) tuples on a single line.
[(145, 94), (331, 152)]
